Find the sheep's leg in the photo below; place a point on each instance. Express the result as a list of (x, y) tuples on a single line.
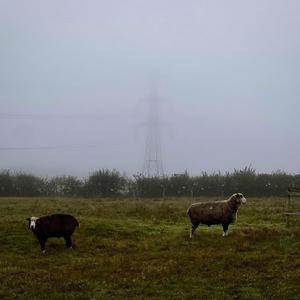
[(68, 241), (194, 226), (191, 232), (225, 228), (42, 243)]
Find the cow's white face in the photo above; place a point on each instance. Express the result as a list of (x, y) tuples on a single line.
[(32, 222)]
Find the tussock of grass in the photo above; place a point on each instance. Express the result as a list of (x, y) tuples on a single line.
[(141, 250)]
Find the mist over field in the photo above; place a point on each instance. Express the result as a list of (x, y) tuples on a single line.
[(134, 118), (76, 79)]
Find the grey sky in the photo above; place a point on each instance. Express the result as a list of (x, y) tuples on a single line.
[(74, 76)]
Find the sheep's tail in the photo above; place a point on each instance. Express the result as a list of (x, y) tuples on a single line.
[(189, 211), (76, 222)]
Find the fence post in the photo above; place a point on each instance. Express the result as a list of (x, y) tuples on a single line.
[(287, 208)]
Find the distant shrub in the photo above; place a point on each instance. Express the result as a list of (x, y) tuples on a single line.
[(110, 183), (105, 183)]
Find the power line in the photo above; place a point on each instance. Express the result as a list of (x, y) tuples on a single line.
[(55, 116), (26, 148)]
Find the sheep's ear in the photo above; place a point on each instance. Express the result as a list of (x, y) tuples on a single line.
[(28, 219)]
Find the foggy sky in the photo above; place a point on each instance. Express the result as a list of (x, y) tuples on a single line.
[(75, 77)]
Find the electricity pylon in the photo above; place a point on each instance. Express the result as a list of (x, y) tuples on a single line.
[(153, 166)]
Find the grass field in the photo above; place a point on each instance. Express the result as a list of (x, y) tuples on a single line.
[(129, 249)]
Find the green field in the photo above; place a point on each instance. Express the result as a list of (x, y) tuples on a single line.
[(130, 249)]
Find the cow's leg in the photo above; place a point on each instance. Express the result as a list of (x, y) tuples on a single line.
[(68, 241), (225, 228), (193, 228)]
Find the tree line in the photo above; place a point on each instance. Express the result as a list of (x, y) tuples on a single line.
[(111, 183)]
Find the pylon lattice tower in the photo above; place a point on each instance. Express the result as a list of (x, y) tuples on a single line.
[(153, 166)]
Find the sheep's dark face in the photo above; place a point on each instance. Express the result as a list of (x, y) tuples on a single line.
[(32, 222), (240, 198)]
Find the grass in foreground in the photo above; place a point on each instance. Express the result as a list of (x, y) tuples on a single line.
[(127, 249)]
